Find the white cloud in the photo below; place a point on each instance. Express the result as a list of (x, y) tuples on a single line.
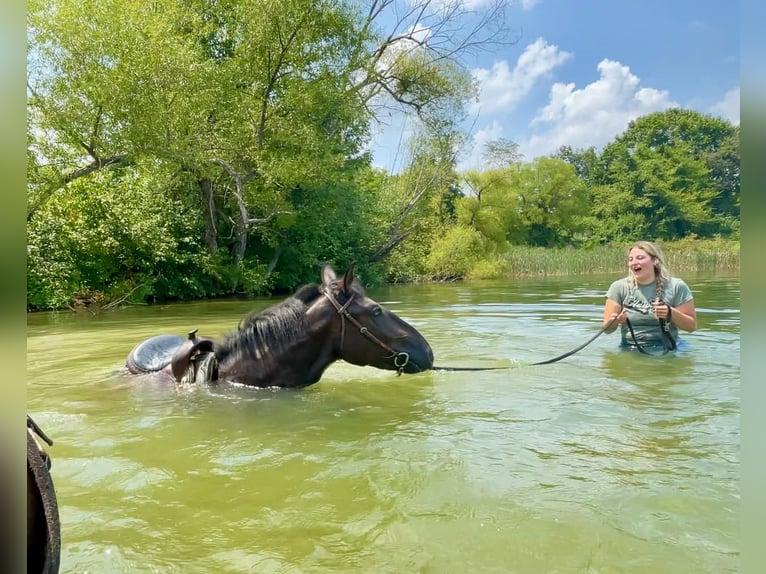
[(446, 5), (415, 37), (728, 107), (699, 25), (501, 88), (593, 115), (528, 4)]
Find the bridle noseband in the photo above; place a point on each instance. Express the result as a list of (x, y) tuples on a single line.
[(400, 358)]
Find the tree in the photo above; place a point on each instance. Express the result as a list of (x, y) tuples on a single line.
[(669, 175), (417, 205), (249, 100), (490, 206), (583, 160), (552, 201), (501, 153)]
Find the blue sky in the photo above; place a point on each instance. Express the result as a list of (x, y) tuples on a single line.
[(581, 70)]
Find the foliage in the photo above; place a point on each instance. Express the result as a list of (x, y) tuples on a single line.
[(552, 200), (332, 224), (184, 149), (255, 106), (670, 175), (540, 203), (692, 254), (490, 267), (682, 256), (455, 253), (501, 153), (416, 206), (585, 161), (112, 234)]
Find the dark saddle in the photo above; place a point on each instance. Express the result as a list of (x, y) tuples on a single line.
[(190, 360)]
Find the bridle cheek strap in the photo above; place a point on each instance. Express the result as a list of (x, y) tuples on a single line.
[(343, 312), (400, 358)]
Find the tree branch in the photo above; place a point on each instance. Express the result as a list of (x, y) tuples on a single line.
[(96, 165)]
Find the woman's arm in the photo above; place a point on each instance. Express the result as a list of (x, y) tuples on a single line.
[(614, 314), (684, 316)]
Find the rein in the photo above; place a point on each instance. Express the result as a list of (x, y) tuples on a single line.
[(668, 344), (400, 358), (548, 362)]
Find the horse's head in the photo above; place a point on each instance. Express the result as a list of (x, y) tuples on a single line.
[(370, 334)]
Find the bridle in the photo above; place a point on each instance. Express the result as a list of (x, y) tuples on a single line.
[(400, 358)]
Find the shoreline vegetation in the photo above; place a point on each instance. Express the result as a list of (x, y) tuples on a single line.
[(682, 256)]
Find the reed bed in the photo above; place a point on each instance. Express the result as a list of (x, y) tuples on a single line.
[(682, 256)]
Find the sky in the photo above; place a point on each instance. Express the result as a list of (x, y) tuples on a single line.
[(581, 70)]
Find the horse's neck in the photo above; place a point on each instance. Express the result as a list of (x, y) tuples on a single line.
[(299, 364)]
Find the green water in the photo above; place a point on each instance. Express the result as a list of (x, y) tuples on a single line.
[(606, 462)]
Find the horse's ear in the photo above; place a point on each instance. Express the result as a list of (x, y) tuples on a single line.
[(348, 276), (328, 275)]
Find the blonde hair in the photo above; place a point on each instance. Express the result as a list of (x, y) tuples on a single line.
[(661, 272)]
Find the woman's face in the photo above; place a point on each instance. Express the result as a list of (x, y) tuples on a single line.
[(642, 265)]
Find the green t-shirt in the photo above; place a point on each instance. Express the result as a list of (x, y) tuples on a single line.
[(647, 326)]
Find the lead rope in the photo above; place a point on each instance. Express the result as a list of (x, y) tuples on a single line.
[(668, 343), (548, 362)]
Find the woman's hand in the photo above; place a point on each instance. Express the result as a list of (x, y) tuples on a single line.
[(662, 310), (614, 316), (618, 319), (684, 316)]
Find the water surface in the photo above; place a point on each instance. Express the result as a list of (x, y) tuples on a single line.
[(607, 461)]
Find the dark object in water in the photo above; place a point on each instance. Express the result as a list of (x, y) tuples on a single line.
[(43, 526)]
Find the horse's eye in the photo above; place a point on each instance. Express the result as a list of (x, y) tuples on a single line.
[(377, 312)]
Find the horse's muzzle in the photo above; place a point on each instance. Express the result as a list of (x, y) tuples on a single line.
[(419, 362)]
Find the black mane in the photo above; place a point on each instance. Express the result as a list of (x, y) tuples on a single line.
[(270, 332)]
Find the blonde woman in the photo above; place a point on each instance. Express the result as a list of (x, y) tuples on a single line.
[(649, 305)]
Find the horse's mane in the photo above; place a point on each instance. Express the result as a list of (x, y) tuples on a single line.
[(269, 332)]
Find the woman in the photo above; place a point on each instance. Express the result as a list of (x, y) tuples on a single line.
[(649, 305)]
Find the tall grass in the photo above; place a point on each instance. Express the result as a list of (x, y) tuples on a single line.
[(681, 256)]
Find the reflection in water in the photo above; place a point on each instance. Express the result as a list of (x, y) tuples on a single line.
[(608, 461)]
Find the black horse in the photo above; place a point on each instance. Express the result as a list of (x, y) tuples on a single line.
[(292, 343)]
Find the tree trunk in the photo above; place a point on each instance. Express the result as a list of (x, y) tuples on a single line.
[(208, 211)]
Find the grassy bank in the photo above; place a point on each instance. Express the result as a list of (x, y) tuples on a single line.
[(681, 257)]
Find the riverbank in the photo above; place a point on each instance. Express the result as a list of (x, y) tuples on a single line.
[(684, 256)]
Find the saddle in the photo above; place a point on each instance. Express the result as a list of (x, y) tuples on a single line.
[(190, 360)]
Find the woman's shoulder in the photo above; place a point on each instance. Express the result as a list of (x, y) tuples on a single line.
[(618, 286), (678, 282), (621, 282), (680, 289)]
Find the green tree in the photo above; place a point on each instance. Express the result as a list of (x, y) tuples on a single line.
[(490, 206), (669, 175), (552, 202), (583, 160), (112, 235), (501, 153), (418, 205), (253, 103)]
